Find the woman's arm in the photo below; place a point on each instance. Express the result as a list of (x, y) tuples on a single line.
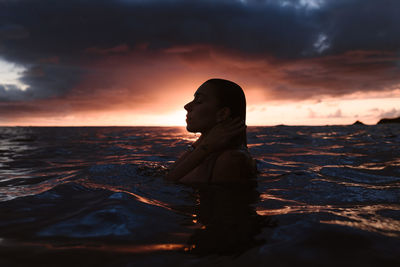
[(215, 140), (187, 162)]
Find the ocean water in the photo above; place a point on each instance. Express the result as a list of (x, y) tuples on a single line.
[(95, 196)]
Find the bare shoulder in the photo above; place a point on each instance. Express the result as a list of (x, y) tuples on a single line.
[(233, 165)]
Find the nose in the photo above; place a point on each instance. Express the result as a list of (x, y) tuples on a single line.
[(188, 106)]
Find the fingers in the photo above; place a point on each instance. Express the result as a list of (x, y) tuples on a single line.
[(229, 127), (236, 131), (234, 124), (222, 133), (228, 122)]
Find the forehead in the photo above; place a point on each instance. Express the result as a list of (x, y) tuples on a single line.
[(205, 91)]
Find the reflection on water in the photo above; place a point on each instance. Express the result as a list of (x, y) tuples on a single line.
[(96, 196), (229, 223), (136, 249)]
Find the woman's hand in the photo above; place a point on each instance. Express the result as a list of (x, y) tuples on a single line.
[(221, 134), (216, 139)]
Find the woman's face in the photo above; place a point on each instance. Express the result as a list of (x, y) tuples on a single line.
[(202, 111)]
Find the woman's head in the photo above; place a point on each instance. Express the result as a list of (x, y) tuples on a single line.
[(215, 100)]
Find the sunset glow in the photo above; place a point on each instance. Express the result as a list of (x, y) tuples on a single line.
[(315, 70)]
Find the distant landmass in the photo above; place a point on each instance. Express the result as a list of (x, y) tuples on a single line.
[(395, 120), (358, 123), (382, 121)]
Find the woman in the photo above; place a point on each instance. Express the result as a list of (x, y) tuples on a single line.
[(220, 155)]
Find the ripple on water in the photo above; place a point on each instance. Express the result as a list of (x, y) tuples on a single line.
[(358, 176), (324, 194)]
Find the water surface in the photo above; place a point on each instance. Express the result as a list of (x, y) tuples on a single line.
[(96, 196)]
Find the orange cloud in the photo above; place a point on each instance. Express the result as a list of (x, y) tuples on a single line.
[(134, 83)]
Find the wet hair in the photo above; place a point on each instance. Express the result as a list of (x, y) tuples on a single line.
[(230, 95)]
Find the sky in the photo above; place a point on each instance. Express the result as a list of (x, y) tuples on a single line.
[(138, 62)]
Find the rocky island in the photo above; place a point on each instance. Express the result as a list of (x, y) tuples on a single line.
[(394, 120), (358, 123)]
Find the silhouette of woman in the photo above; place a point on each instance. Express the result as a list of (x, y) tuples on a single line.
[(220, 155)]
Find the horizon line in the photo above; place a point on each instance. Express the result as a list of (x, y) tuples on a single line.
[(294, 125)]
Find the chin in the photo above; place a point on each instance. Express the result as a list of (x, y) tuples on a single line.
[(190, 129)]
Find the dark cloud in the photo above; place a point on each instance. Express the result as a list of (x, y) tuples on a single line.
[(10, 92), (50, 80), (12, 31), (59, 42), (337, 75), (67, 28), (361, 25)]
